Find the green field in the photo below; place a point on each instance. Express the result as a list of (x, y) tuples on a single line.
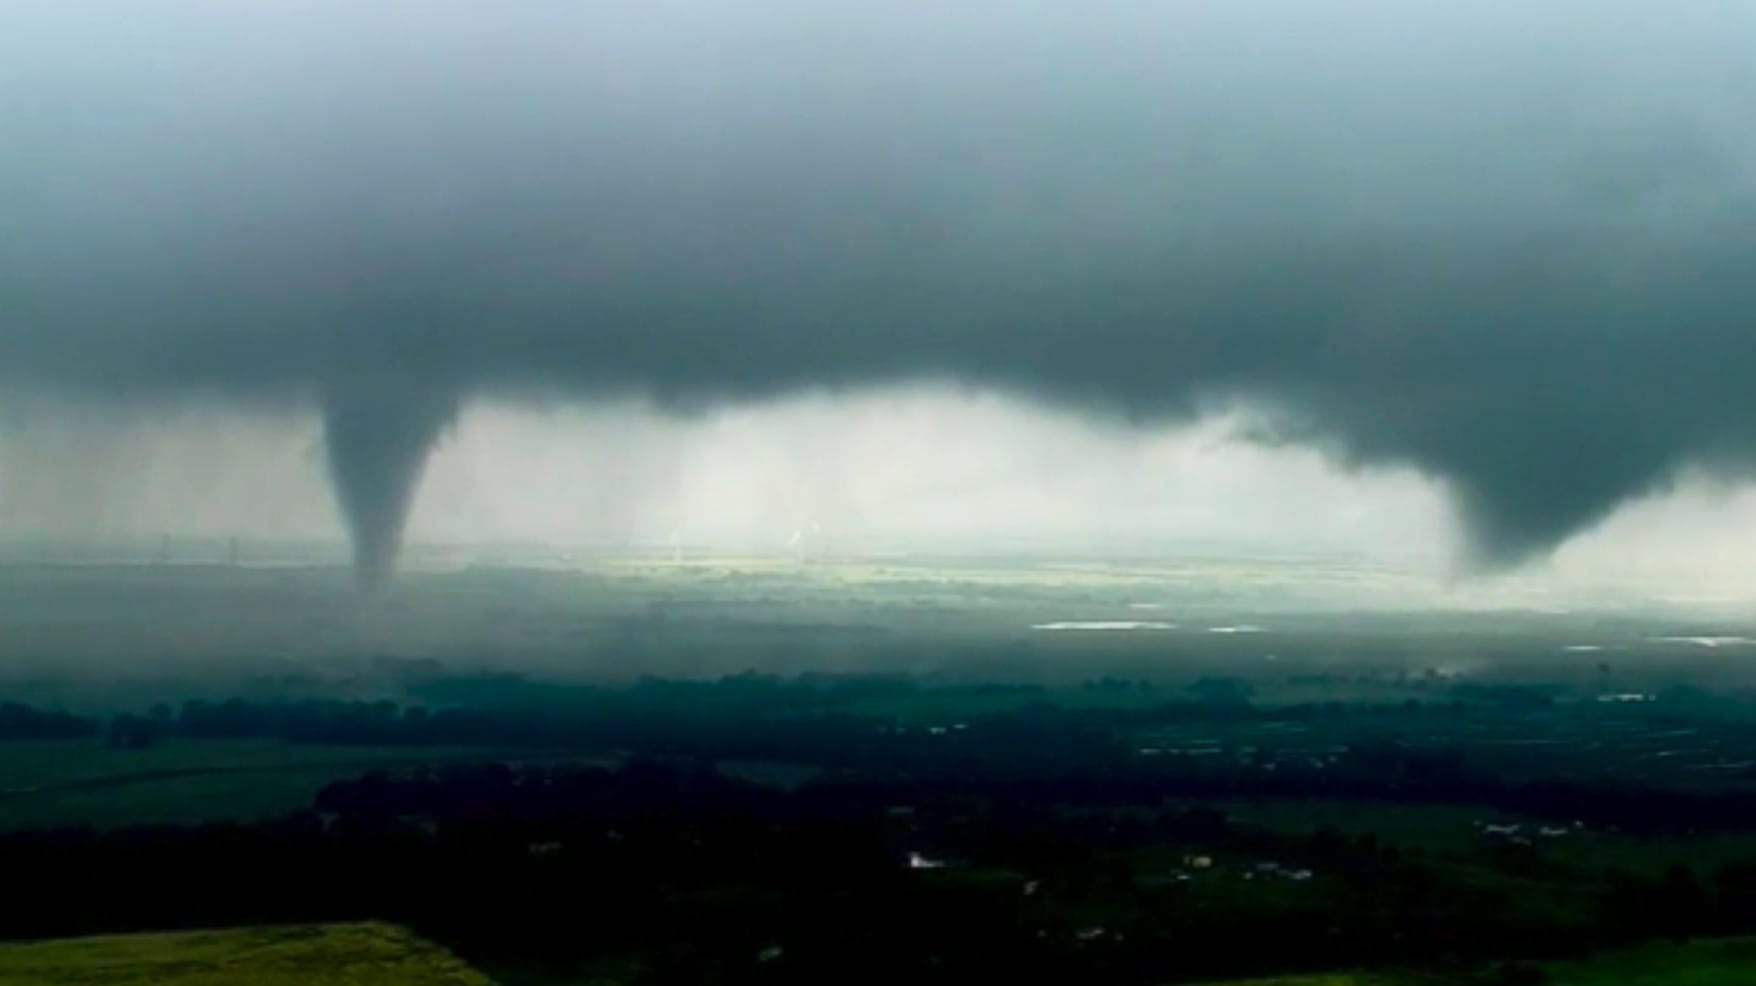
[(84, 782), (1709, 963), (1705, 963), (327, 955)]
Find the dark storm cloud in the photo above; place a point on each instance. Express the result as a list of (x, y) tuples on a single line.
[(1510, 244)]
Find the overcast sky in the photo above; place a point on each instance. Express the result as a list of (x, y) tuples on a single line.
[(1490, 255)]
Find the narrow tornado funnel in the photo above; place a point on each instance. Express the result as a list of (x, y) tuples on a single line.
[(378, 436)]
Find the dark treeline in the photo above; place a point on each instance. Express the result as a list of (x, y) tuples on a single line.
[(450, 709), (23, 722)]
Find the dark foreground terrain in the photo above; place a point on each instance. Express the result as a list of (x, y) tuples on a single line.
[(876, 829), (1087, 781)]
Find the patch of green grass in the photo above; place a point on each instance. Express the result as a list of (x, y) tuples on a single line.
[(53, 763), (84, 782), (1431, 827), (1703, 963), (1728, 962), (1453, 831), (242, 796), (1702, 853), (324, 955)]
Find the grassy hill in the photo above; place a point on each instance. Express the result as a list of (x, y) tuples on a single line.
[(325, 955)]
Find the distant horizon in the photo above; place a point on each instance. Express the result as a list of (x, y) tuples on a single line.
[(1163, 571)]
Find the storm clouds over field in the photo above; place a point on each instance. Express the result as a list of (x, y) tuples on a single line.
[(1505, 245)]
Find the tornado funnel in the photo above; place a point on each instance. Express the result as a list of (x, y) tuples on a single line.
[(378, 437)]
